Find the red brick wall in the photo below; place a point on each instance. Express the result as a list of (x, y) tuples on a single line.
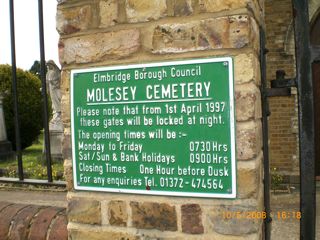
[(29, 222), (282, 122)]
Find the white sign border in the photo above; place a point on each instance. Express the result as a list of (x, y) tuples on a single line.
[(229, 60)]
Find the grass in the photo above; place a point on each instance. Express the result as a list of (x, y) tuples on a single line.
[(33, 165)]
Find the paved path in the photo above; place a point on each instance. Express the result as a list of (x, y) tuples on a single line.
[(45, 198), (288, 227)]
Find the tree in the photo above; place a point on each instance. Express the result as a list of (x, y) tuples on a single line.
[(36, 69), (30, 105)]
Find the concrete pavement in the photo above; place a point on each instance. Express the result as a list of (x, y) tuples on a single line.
[(44, 198), (285, 209)]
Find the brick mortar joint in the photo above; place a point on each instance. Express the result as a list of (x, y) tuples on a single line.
[(53, 221), (72, 4), (249, 119), (179, 217), (33, 219), (161, 21), (159, 57), (10, 204), (129, 211), (252, 163), (128, 199), (13, 217), (252, 84), (117, 229), (252, 122)]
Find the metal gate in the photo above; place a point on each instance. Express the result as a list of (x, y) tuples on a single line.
[(281, 87), (18, 151)]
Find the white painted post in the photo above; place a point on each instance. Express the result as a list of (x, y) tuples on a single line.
[(3, 133)]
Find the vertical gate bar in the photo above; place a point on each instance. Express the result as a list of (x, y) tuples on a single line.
[(15, 92), (306, 120), (44, 92), (265, 113)]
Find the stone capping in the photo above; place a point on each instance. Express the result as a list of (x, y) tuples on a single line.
[(28, 222), (126, 25), (228, 32)]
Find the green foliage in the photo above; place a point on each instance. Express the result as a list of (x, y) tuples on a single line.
[(276, 179), (36, 68), (36, 171), (30, 105), (33, 165)]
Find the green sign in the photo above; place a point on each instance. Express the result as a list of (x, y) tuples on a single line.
[(161, 128)]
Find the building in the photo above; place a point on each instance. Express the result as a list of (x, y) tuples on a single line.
[(283, 122)]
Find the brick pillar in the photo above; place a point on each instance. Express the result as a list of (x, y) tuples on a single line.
[(110, 32)]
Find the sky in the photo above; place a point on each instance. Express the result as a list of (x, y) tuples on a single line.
[(27, 32)]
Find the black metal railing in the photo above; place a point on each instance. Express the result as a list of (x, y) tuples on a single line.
[(281, 87), (265, 114), (306, 120), (18, 151)]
